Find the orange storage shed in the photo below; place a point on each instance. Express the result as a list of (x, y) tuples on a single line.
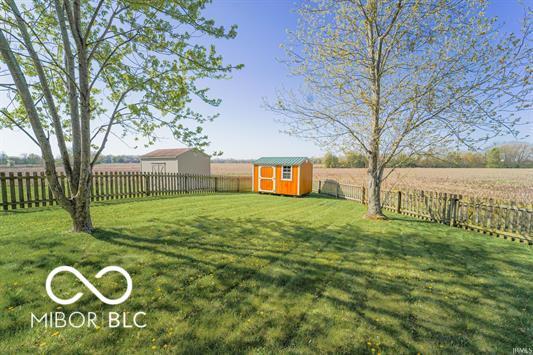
[(291, 176)]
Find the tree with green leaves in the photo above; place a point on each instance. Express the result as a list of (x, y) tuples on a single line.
[(494, 159), (330, 160), (82, 70), (353, 160), (391, 78)]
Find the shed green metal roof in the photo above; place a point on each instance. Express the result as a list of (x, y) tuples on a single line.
[(280, 161)]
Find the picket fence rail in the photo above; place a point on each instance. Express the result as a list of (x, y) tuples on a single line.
[(28, 190), (508, 220)]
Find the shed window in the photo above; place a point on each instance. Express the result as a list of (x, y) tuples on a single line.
[(159, 168), (286, 172)]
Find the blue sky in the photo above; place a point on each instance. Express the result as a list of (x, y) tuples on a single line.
[(245, 129)]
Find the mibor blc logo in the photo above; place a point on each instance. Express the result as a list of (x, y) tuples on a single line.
[(88, 284), (77, 319)]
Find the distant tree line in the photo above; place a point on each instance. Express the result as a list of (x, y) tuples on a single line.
[(34, 159), (117, 159), (512, 155), (24, 159), (231, 161)]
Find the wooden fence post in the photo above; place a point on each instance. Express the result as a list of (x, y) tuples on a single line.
[(399, 203), (96, 182), (107, 190), (12, 191), (43, 188), (28, 189), (363, 193), (3, 186), (337, 190), (490, 216), (147, 184), (444, 202), (35, 189), (319, 185), (20, 190), (453, 210)]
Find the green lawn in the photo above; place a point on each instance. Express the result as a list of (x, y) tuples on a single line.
[(266, 274)]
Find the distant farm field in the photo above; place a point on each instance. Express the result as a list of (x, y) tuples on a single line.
[(505, 184), (502, 184)]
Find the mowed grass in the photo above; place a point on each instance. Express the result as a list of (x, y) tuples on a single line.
[(248, 273)]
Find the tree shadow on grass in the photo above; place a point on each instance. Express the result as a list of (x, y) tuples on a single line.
[(244, 266)]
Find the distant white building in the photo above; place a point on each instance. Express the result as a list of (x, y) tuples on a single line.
[(178, 160)]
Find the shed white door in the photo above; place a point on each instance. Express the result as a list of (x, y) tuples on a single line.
[(159, 168), (267, 179)]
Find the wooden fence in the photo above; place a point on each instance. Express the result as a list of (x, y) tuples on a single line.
[(509, 220), (27, 190)]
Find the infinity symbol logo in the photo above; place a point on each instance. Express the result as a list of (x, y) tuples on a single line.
[(88, 284)]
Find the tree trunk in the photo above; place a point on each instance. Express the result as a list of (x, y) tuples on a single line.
[(81, 214), (374, 210), (374, 170), (81, 219)]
